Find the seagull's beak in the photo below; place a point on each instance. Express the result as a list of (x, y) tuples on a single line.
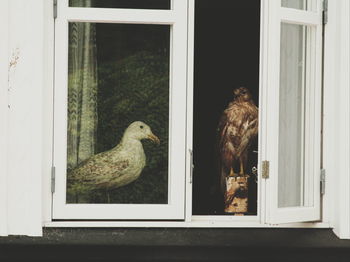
[(154, 138)]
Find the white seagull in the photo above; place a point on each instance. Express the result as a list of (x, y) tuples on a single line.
[(116, 167)]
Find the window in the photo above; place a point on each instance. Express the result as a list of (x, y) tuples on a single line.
[(293, 116), (181, 74), (119, 75)]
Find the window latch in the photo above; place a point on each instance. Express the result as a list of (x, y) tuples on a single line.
[(325, 12), (323, 181), (265, 169), (54, 9), (191, 165), (53, 179)]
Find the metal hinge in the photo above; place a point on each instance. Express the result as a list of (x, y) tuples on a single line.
[(192, 165), (323, 181), (265, 169), (53, 179), (54, 9), (325, 12)]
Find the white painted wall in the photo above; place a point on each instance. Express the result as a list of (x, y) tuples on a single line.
[(47, 112), (23, 88), (3, 110)]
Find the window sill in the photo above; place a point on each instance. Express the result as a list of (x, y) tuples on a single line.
[(178, 224)]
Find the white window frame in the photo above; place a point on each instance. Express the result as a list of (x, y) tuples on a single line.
[(190, 221), (313, 89), (176, 18)]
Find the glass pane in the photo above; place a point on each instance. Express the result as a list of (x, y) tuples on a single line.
[(133, 4), (291, 172), (309, 5), (118, 110)]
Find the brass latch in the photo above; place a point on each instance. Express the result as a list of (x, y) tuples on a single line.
[(265, 169)]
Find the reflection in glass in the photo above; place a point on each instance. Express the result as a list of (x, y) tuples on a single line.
[(291, 116), (118, 110), (132, 4)]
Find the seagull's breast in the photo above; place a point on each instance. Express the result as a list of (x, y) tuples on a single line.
[(136, 158)]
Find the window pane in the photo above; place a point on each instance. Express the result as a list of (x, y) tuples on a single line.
[(297, 4), (291, 116), (118, 75), (133, 4), (309, 5)]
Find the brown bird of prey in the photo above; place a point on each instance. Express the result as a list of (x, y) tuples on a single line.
[(237, 128), (116, 167)]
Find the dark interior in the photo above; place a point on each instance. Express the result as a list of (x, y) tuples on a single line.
[(227, 40)]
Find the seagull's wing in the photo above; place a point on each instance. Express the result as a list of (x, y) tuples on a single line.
[(98, 169)]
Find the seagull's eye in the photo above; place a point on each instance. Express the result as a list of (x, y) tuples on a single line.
[(141, 127)]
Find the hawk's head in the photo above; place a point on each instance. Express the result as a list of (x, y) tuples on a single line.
[(242, 94)]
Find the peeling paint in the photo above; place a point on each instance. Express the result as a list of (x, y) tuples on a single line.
[(14, 59), (11, 69)]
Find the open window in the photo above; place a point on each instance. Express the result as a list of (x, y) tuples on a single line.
[(147, 90), (226, 58), (293, 111), (280, 67), (120, 77)]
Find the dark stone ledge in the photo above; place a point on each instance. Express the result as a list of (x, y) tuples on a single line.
[(173, 244)]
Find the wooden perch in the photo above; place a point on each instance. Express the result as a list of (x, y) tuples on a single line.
[(236, 197)]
